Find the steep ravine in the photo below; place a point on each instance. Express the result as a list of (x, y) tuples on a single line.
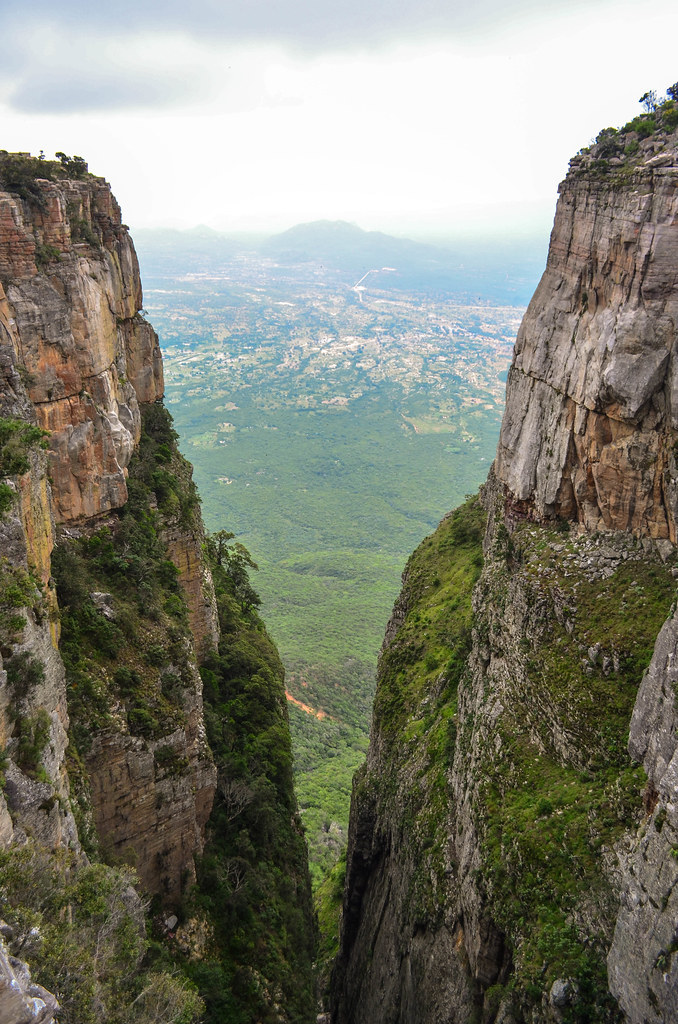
[(142, 709), (512, 853)]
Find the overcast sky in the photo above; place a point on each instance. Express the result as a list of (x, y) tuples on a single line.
[(410, 117)]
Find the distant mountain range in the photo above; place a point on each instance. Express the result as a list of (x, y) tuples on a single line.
[(487, 269)]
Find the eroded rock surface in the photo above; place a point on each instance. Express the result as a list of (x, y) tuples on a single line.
[(73, 301), (592, 396), (643, 959), (78, 359), (21, 1000)]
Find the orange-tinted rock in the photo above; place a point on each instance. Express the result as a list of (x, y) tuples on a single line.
[(71, 278), (152, 814), (77, 358), (185, 549)]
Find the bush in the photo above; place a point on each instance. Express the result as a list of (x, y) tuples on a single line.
[(17, 590), (21, 173), (33, 734), (17, 437), (46, 254), (7, 496), (142, 721), (643, 126), (24, 673), (128, 680)]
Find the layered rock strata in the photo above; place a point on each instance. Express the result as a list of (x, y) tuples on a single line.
[(508, 860), (86, 354), (592, 396), (78, 359)]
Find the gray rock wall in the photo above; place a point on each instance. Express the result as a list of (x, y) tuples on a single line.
[(591, 409), (643, 959)]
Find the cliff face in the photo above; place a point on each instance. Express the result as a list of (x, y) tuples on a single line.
[(88, 357), (643, 970), (80, 362), (108, 604), (508, 858), (592, 396)]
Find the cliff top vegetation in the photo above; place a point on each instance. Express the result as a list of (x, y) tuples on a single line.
[(620, 150), (20, 172)]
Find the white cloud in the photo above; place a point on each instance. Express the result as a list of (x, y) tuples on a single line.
[(436, 133)]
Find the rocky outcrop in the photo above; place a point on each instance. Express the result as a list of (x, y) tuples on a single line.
[(508, 861), (78, 360), (185, 548), (35, 688), (643, 959), (73, 294), (592, 399), (21, 1000), (152, 811)]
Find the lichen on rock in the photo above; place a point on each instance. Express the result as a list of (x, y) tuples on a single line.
[(557, 850)]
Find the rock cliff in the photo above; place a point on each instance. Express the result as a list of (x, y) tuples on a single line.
[(510, 858), (111, 757), (80, 363), (88, 357), (591, 407)]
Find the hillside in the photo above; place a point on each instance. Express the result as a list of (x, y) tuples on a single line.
[(477, 270), (513, 832), (152, 863), (316, 418)]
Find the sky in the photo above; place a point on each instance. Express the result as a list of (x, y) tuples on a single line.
[(418, 117)]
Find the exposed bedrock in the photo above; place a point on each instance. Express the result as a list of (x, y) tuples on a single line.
[(509, 859), (592, 397), (84, 351)]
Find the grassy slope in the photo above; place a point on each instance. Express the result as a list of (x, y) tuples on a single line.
[(551, 814), (415, 719), (547, 813)]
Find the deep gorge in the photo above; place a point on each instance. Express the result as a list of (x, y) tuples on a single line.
[(513, 835)]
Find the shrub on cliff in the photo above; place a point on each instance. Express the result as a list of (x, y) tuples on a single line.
[(17, 437), (81, 927), (21, 172), (253, 882)]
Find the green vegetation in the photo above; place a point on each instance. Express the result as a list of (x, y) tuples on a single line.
[(18, 590), (33, 736), (46, 254), (81, 928), (436, 635), (547, 825), (17, 438), (615, 151), (549, 812), (618, 620), (415, 708), (24, 672), (253, 881), (330, 742), (125, 649), (328, 900), (20, 173), (576, 619), (316, 421), (123, 656)]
